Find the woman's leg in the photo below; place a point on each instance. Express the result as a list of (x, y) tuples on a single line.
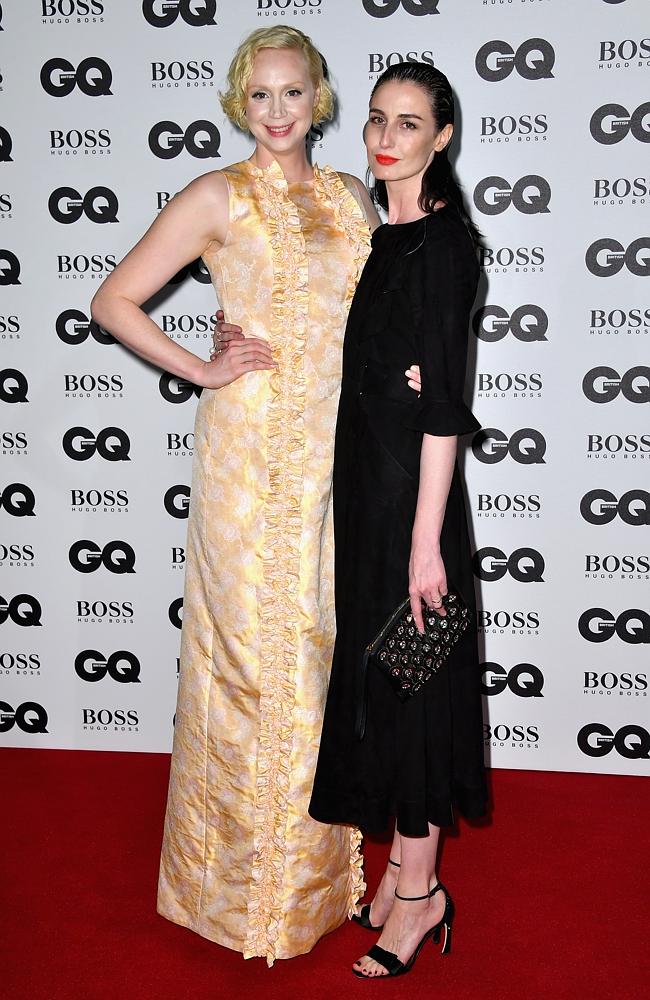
[(385, 895), (408, 922)]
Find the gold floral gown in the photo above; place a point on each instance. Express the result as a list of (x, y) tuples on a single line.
[(242, 862)]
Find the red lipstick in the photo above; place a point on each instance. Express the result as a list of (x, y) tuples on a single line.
[(385, 161)]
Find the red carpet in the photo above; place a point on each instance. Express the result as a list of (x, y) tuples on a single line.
[(552, 895)]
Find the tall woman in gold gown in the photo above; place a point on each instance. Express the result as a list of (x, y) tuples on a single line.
[(243, 863)]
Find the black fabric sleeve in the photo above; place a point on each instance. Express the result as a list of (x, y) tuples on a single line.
[(447, 276)]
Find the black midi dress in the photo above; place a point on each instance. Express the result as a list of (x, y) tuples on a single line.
[(421, 758)]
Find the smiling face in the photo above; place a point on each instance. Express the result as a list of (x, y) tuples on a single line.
[(280, 99), (401, 135)]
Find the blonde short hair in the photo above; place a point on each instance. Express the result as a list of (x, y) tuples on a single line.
[(233, 101)]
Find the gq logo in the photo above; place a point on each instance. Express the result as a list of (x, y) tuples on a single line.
[(597, 740), (384, 8), (30, 717), (530, 195), (6, 145), (201, 139), (122, 666), (92, 76), (606, 257), (524, 679), (23, 609), (175, 390), (13, 386), (526, 323), (111, 444), (196, 13), (18, 500), (99, 205), (611, 123), (117, 557), (533, 60), (524, 565), (9, 268), (177, 501), (526, 446), (176, 612), (603, 384), (633, 508), (599, 625), (74, 327)]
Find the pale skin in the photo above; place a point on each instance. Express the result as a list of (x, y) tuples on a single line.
[(401, 128)]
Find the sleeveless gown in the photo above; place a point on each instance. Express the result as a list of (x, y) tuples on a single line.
[(242, 862)]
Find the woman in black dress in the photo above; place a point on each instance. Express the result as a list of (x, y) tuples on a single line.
[(400, 524)]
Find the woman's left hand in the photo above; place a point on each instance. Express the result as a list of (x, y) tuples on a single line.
[(427, 581), (413, 376)]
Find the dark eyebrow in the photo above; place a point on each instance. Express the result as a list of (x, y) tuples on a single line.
[(378, 111)]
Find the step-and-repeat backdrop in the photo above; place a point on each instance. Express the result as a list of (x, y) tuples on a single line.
[(108, 107)]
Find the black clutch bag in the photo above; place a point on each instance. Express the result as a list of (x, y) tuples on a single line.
[(407, 658)]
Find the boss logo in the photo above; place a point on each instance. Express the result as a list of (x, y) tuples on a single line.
[(28, 664), (187, 324), (611, 444), (99, 205), (177, 501), (523, 259), (606, 257), (526, 323), (30, 717), (113, 612), (118, 718), (618, 190), (624, 51), (603, 384), (111, 443), (526, 128), (533, 60), (530, 195), (23, 610), (196, 13), (378, 61), (9, 268), (121, 666), (278, 8), (176, 390), (117, 557), (526, 446), (524, 565), (201, 139), (180, 444), (633, 508), (618, 319), (501, 384), (96, 265), (515, 622), (196, 270), (517, 735), (92, 76), (525, 680), (6, 145), (18, 500), (65, 9), (599, 625), (74, 327), (604, 567), (10, 325), (385, 8), (17, 555), (13, 442), (176, 612), (193, 73), (518, 505), (91, 141), (611, 123), (112, 500), (13, 386), (87, 384), (626, 683), (597, 740)]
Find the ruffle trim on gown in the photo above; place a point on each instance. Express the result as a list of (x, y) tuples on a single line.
[(349, 218)]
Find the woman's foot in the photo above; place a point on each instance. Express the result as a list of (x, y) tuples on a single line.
[(406, 924), (384, 897)]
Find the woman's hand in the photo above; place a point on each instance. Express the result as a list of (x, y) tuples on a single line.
[(224, 334), (427, 581), (413, 376), (248, 354)]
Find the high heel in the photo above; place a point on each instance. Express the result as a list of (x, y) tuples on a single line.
[(393, 965), (363, 916)]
